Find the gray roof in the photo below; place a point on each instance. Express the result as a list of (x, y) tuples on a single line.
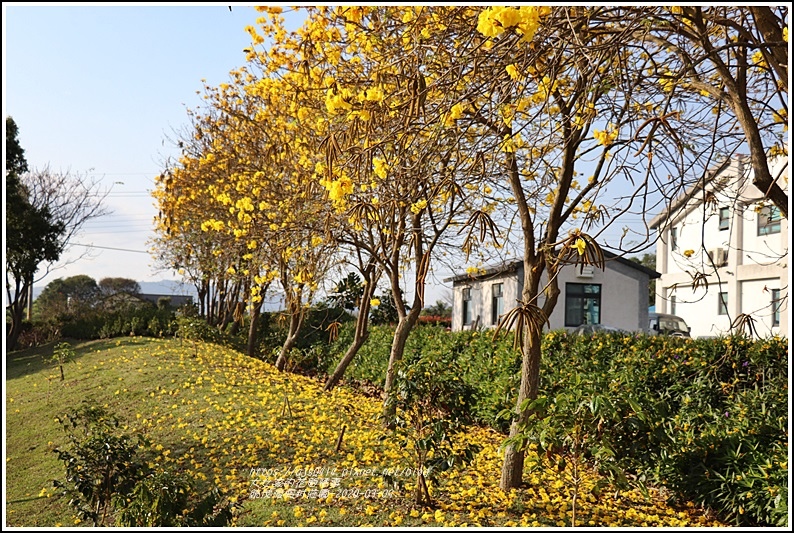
[(511, 266), (490, 272)]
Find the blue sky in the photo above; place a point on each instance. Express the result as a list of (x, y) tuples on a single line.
[(98, 89)]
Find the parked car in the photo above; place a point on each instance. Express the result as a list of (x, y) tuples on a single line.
[(590, 329), (672, 325)]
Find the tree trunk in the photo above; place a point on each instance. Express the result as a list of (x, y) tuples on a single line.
[(404, 327), (17, 311), (513, 466), (295, 321), (333, 380), (251, 347), (359, 338)]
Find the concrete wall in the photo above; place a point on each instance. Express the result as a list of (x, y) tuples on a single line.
[(481, 292), (624, 296), (755, 265)]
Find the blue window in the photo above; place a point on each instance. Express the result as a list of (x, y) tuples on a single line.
[(582, 304)]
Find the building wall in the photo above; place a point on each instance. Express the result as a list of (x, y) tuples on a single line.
[(754, 265), (624, 296), (481, 292)]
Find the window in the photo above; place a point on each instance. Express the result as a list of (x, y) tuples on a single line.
[(672, 305), (674, 238), (725, 215), (582, 304), (722, 304), (768, 220), (466, 306), (497, 302), (776, 303)]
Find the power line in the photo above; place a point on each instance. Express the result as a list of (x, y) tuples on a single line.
[(109, 248)]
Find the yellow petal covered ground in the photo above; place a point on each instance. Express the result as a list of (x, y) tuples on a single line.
[(238, 423)]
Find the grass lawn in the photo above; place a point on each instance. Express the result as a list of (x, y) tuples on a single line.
[(239, 424)]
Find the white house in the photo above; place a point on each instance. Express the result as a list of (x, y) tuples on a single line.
[(724, 251), (616, 296)]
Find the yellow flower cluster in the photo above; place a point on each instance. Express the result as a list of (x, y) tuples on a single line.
[(606, 137), (338, 189), (417, 207), (380, 167), (338, 101), (455, 112), (212, 224), (495, 20)]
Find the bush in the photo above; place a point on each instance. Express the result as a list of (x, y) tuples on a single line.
[(99, 462), (431, 403), (707, 418), (104, 473)]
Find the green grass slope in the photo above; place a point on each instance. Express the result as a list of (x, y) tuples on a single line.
[(237, 423)]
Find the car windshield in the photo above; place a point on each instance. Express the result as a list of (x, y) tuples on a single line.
[(672, 324)]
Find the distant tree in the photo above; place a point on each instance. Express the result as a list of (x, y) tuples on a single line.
[(44, 212), (347, 292), (438, 309), (648, 261), (118, 292), (111, 286), (72, 296)]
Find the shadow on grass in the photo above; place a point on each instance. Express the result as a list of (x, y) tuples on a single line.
[(23, 362)]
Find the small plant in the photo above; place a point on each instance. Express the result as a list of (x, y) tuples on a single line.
[(432, 404), (99, 462), (62, 354), (164, 499), (105, 474)]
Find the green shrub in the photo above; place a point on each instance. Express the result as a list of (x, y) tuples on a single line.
[(431, 404), (167, 499), (707, 418), (105, 475), (99, 462)]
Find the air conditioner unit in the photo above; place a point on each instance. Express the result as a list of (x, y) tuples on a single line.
[(585, 271), (718, 257)]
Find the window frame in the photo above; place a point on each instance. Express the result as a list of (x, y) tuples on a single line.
[(497, 302), (570, 296), (672, 304), (466, 300), (673, 239), (722, 303), (776, 304), (770, 214), (724, 221)]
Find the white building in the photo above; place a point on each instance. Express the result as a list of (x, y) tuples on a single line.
[(616, 296), (724, 251)]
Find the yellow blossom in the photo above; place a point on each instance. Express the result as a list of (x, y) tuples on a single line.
[(416, 207)]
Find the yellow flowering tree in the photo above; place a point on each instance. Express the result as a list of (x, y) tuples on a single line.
[(255, 158), (390, 169), (559, 93)]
